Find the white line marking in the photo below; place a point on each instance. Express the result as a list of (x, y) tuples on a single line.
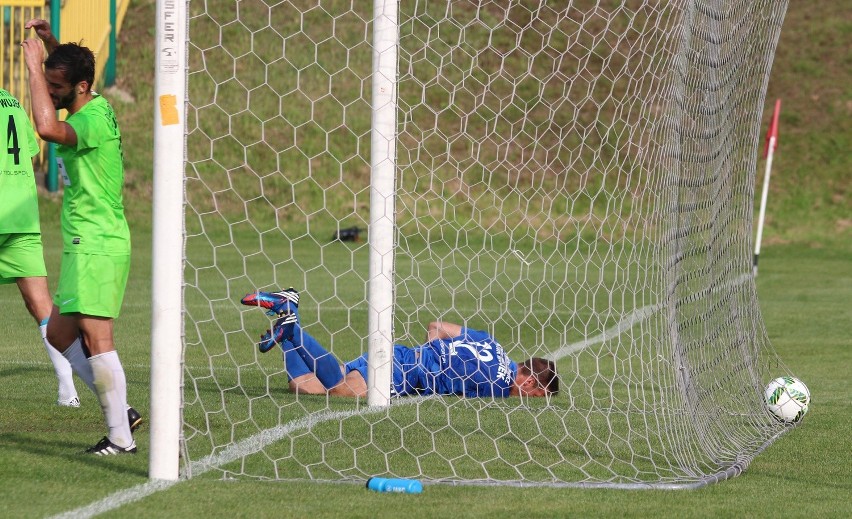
[(628, 322)]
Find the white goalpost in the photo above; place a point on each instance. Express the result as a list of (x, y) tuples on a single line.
[(575, 178), (167, 247), (382, 200)]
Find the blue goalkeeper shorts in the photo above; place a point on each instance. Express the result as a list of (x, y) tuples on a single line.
[(407, 374)]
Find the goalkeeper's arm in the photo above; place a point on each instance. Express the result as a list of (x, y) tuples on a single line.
[(442, 330)]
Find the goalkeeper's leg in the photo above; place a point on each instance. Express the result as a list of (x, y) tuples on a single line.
[(324, 365), (292, 337), (303, 354)]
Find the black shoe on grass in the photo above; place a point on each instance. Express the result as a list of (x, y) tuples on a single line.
[(107, 448)]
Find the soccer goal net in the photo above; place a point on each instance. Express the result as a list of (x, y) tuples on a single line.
[(574, 177)]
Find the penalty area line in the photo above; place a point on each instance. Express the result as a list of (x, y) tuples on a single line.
[(633, 318)]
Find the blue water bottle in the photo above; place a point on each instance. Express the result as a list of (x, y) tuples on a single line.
[(405, 486)]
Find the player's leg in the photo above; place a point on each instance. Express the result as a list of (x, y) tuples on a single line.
[(357, 371), (93, 293), (319, 360), (36, 296), (110, 381), (310, 367), (22, 261), (292, 337), (63, 333), (300, 378), (64, 328), (307, 384), (353, 384), (300, 375)]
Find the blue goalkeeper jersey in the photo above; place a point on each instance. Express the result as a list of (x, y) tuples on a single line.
[(472, 365)]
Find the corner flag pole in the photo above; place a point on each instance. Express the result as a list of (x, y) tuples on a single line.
[(768, 152)]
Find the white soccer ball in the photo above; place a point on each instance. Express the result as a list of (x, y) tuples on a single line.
[(787, 398)]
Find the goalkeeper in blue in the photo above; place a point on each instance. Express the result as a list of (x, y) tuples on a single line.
[(454, 361)]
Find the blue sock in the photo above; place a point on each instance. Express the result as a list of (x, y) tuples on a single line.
[(294, 364), (325, 366)]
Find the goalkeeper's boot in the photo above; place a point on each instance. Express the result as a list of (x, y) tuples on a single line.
[(275, 303), (281, 331), (107, 448)]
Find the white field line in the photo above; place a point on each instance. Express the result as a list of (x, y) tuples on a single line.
[(620, 327)]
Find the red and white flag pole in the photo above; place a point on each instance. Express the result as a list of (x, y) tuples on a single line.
[(769, 151)]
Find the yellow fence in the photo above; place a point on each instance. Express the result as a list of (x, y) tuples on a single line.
[(88, 22), (12, 68), (81, 21)]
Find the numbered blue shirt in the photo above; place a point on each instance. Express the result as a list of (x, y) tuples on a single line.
[(472, 365)]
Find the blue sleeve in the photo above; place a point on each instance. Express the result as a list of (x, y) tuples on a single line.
[(475, 335)]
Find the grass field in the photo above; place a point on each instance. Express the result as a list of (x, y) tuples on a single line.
[(803, 291), (804, 286)]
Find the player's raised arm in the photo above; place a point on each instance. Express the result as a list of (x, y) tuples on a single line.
[(47, 125), (42, 29)]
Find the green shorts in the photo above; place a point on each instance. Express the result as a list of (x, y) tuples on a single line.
[(92, 284), (21, 256)]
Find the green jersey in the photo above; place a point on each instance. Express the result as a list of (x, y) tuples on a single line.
[(93, 219), (18, 196)]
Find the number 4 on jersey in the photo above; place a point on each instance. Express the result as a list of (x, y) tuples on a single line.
[(12, 147)]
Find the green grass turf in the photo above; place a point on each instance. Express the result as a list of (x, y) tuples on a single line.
[(803, 288), (803, 292)]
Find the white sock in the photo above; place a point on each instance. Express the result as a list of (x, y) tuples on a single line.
[(61, 366), (112, 393), (80, 364)]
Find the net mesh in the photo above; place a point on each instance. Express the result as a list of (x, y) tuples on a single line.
[(576, 178)]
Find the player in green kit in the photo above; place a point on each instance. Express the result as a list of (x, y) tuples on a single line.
[(96, 238), (21, 255)]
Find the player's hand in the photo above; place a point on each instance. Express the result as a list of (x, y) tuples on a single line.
[(42, 28), (268, 341), (33, 53)]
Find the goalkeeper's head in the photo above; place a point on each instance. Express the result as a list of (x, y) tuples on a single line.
[(536, 377)]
